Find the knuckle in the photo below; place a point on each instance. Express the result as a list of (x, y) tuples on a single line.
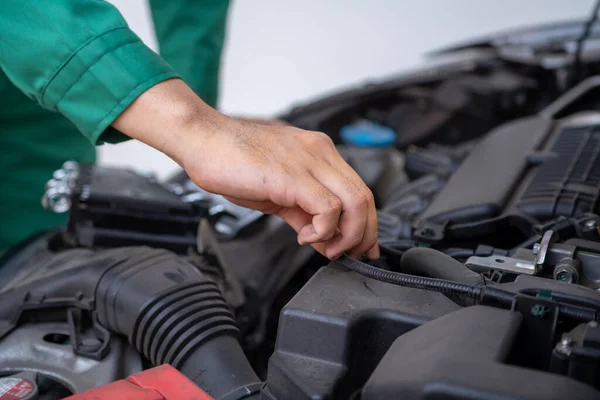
[(318, 139), (362, 200), (370, 197), (335, 205), (355, 239)]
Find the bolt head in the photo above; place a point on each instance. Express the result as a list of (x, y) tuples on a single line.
[(536, 248), (564, 276), (57, 199), (70, 166)]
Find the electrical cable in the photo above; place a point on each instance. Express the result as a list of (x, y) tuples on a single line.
[(483, 294), (417, 282)]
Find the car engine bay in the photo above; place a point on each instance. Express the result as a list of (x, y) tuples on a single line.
[(485, 167)]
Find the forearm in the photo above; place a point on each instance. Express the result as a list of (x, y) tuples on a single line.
[(171, 118)]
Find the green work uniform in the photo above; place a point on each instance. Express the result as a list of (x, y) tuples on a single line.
[(70, 67)]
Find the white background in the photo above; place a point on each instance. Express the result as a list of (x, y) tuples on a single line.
[(281, 52)]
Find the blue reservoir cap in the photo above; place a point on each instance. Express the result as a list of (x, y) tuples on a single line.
[(367, 134)]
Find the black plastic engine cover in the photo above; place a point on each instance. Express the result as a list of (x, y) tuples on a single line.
[(344, 334), (534, 170), (528, 171), (463, 356), (337, 328), (485, 181)]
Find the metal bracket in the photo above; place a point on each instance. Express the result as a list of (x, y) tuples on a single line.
[(511, 264), (502, 263)]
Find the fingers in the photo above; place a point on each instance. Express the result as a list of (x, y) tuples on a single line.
[(374, 252), (300, 176), (368, 245), (356, 204), (297, 218), (317, 200), (355, 207)]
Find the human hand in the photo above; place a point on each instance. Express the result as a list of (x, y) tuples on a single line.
[(296, 174)]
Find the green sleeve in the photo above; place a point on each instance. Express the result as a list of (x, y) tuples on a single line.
[(190, 35), (79, 58)]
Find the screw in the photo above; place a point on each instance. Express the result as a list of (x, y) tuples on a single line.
[(564, 276), (593, 324), (536, 248), (70, 166), (57, 199), (53, 183), (60, 175)]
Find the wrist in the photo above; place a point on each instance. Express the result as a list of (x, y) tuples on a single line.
[(171, 118)]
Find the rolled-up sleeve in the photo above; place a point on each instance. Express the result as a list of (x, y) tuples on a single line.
[(79, 58)]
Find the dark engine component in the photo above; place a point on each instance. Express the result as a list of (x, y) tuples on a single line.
[(523, 174), (110, 207), (478, 342), (357, 330), (165, 307)]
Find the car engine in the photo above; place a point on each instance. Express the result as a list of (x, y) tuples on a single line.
[(485, 167)]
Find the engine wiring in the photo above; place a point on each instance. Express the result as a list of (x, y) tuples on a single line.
[(487, 295)]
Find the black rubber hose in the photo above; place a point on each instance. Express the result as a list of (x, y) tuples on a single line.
[(428, 262), (418, 282), (173, 314)]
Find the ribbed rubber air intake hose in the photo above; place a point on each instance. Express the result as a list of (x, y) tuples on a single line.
[(173, 314)]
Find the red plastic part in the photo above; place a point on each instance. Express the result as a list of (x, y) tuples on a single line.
[(159, 383)]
